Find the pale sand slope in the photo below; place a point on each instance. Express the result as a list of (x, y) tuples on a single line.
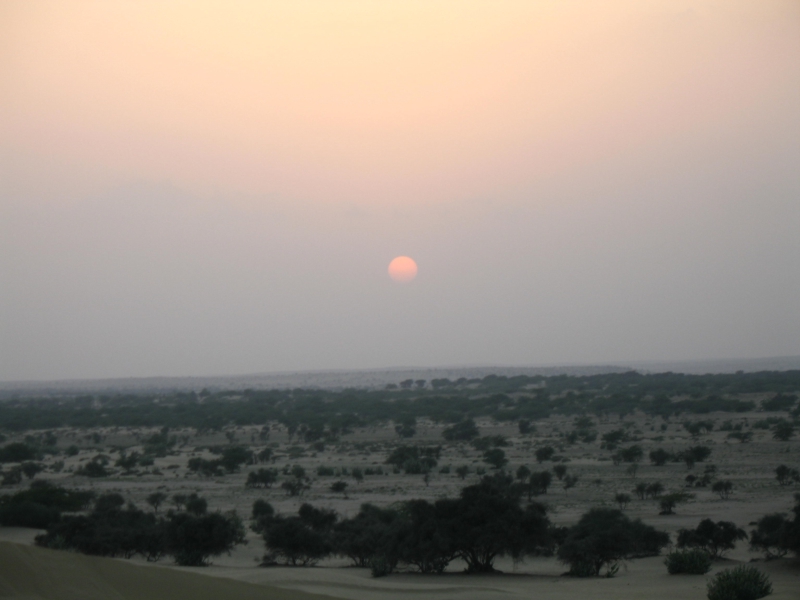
[(639, 579), (31, 573)]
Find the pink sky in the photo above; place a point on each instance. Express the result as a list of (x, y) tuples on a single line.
[(425, 120)]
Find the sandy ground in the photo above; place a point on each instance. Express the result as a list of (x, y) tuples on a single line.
[(750, 466)]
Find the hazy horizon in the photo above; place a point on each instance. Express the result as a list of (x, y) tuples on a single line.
[(203, 189)]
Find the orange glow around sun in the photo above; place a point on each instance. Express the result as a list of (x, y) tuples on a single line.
[(403, 269)]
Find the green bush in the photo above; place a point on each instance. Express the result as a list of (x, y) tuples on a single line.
[(689, 562), (741, 583)]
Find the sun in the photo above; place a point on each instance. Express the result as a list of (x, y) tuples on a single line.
[(403, 269)]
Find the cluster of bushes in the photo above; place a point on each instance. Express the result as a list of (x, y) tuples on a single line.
[(486, 521), (775, 535), (191, 536), (415, 460), (41, 505)]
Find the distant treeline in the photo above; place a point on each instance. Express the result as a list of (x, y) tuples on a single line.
[(322, 413)]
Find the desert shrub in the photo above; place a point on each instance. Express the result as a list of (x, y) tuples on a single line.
[(612, 439), (715, 538), (415, 460), (463, 470), (779, 402), (668, 502), (604, 537), (12, 476), (545, 453), (560, 471), (490, 441), (654, 490), (339, 487), (693, 455), (631, 454), (466, 430), (688, 562), (786, 475), (538, 483), (623, 500), (406, 427), (28, 514), (659, 457), (723, 488), (109, 530), (323, 471), (94, 468), (740, 583), (17, 452), (261, 509), (261, 478), (783, 431), (495, 457)]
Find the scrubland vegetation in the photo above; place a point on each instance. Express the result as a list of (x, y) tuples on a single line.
[(591, 472)]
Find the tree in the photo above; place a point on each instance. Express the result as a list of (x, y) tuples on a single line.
[(234, 456), (604, 537), (539, 482), (526, 427), (422, 536), (544, 453), (640, 490), (295, 487), (632, 454), (196, 505), (17, 452), (523, 472), (193, 539), (261, 478), (659, 457), (560, 471), (772, 536), (93, 468), (723, 488), (372, 533), (623, 500), (300, 540), (786, 476), (670, 501), (495, 457), (695, 454), (783, 431), (570, 481), (406, 427), (487, 521), (128, 462), (156, 499), (715, 538), (30, 469), (466, 430), (654, 490), (462, 471)]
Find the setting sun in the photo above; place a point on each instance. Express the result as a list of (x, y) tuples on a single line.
[(403, 269)]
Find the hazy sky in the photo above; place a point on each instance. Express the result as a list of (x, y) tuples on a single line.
[(200, 188)]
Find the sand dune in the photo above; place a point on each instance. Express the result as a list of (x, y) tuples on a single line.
[(31, 573)]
